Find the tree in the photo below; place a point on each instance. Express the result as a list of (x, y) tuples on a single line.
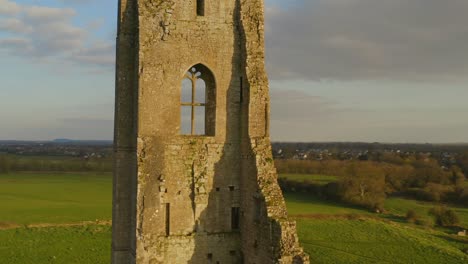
[(437, 192), (444, 216), (364, 185), (412, 216), (458, 178), (462, 161), (5, 164)]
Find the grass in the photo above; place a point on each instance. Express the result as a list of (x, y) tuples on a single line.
[(64, 245), (336, 233), (324, 233), (55, 198), (372, 241), (313, 178), (301, 204), (399, 206), (396, 207)]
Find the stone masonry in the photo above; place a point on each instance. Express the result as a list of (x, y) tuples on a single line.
[(195, 198)]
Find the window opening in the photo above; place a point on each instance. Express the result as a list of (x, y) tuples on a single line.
[(168, 219), (241, 95), (193, 98), (235, 218), (198, 102), (200, 7)]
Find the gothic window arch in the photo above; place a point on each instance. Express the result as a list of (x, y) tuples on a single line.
[(198, 102)]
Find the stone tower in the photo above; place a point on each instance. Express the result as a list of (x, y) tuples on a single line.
[(194, 178)]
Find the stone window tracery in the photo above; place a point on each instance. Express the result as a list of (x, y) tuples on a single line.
[(198, 102)]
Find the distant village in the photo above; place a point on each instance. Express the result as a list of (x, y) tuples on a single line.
[(446, 155), (66, 148)]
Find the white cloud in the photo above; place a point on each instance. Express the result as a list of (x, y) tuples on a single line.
[(43, 14), (101, 53), (8, 7), (14, 25), (43, 32)]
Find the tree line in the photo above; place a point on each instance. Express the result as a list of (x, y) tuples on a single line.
[(368, 183), (10, 163)]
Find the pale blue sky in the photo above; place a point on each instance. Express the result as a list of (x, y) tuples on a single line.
[(360, 70)]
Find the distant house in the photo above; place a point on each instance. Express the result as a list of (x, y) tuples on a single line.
[(462, 233)]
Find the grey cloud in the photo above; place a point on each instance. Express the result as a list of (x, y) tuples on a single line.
[(292, 106), (368, 40), (17, 46), (300, 116)]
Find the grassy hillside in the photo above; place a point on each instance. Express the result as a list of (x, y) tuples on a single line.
[(399, 207), (330, 232), (334, 233), (372, 241), (396, 207)]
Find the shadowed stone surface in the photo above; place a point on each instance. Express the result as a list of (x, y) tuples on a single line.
[(191, 198)]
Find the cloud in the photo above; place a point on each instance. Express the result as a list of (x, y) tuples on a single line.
[(49, 33), (368, 40), (300, 116), (101, 53), (8, 7), (292, 106), (16, 44), (14, 25)]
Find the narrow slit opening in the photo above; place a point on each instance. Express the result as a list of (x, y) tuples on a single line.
[(235, 218), (168, 219), (200, 7)]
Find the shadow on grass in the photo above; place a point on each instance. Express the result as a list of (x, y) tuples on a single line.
[(455, 239), (394, 218), (311, 198)]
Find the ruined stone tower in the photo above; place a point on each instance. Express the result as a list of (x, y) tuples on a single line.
[(194, 176)]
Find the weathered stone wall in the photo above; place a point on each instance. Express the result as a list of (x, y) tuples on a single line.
[(174, 194), (125, 143), (270, 237)]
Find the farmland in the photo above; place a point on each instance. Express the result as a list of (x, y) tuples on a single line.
[(29, 198), (64, 218)]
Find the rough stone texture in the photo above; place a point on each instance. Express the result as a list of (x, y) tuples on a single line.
[(174, 194)]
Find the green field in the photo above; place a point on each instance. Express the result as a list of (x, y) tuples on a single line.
[(55, 198), (372, 241), (330, 232), (61, 245), (399, 207), (334, 233)]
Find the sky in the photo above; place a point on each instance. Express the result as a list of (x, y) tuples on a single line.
[(340, 70)]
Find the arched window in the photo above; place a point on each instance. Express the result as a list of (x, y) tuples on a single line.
[(198, 103), (200, 7)]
